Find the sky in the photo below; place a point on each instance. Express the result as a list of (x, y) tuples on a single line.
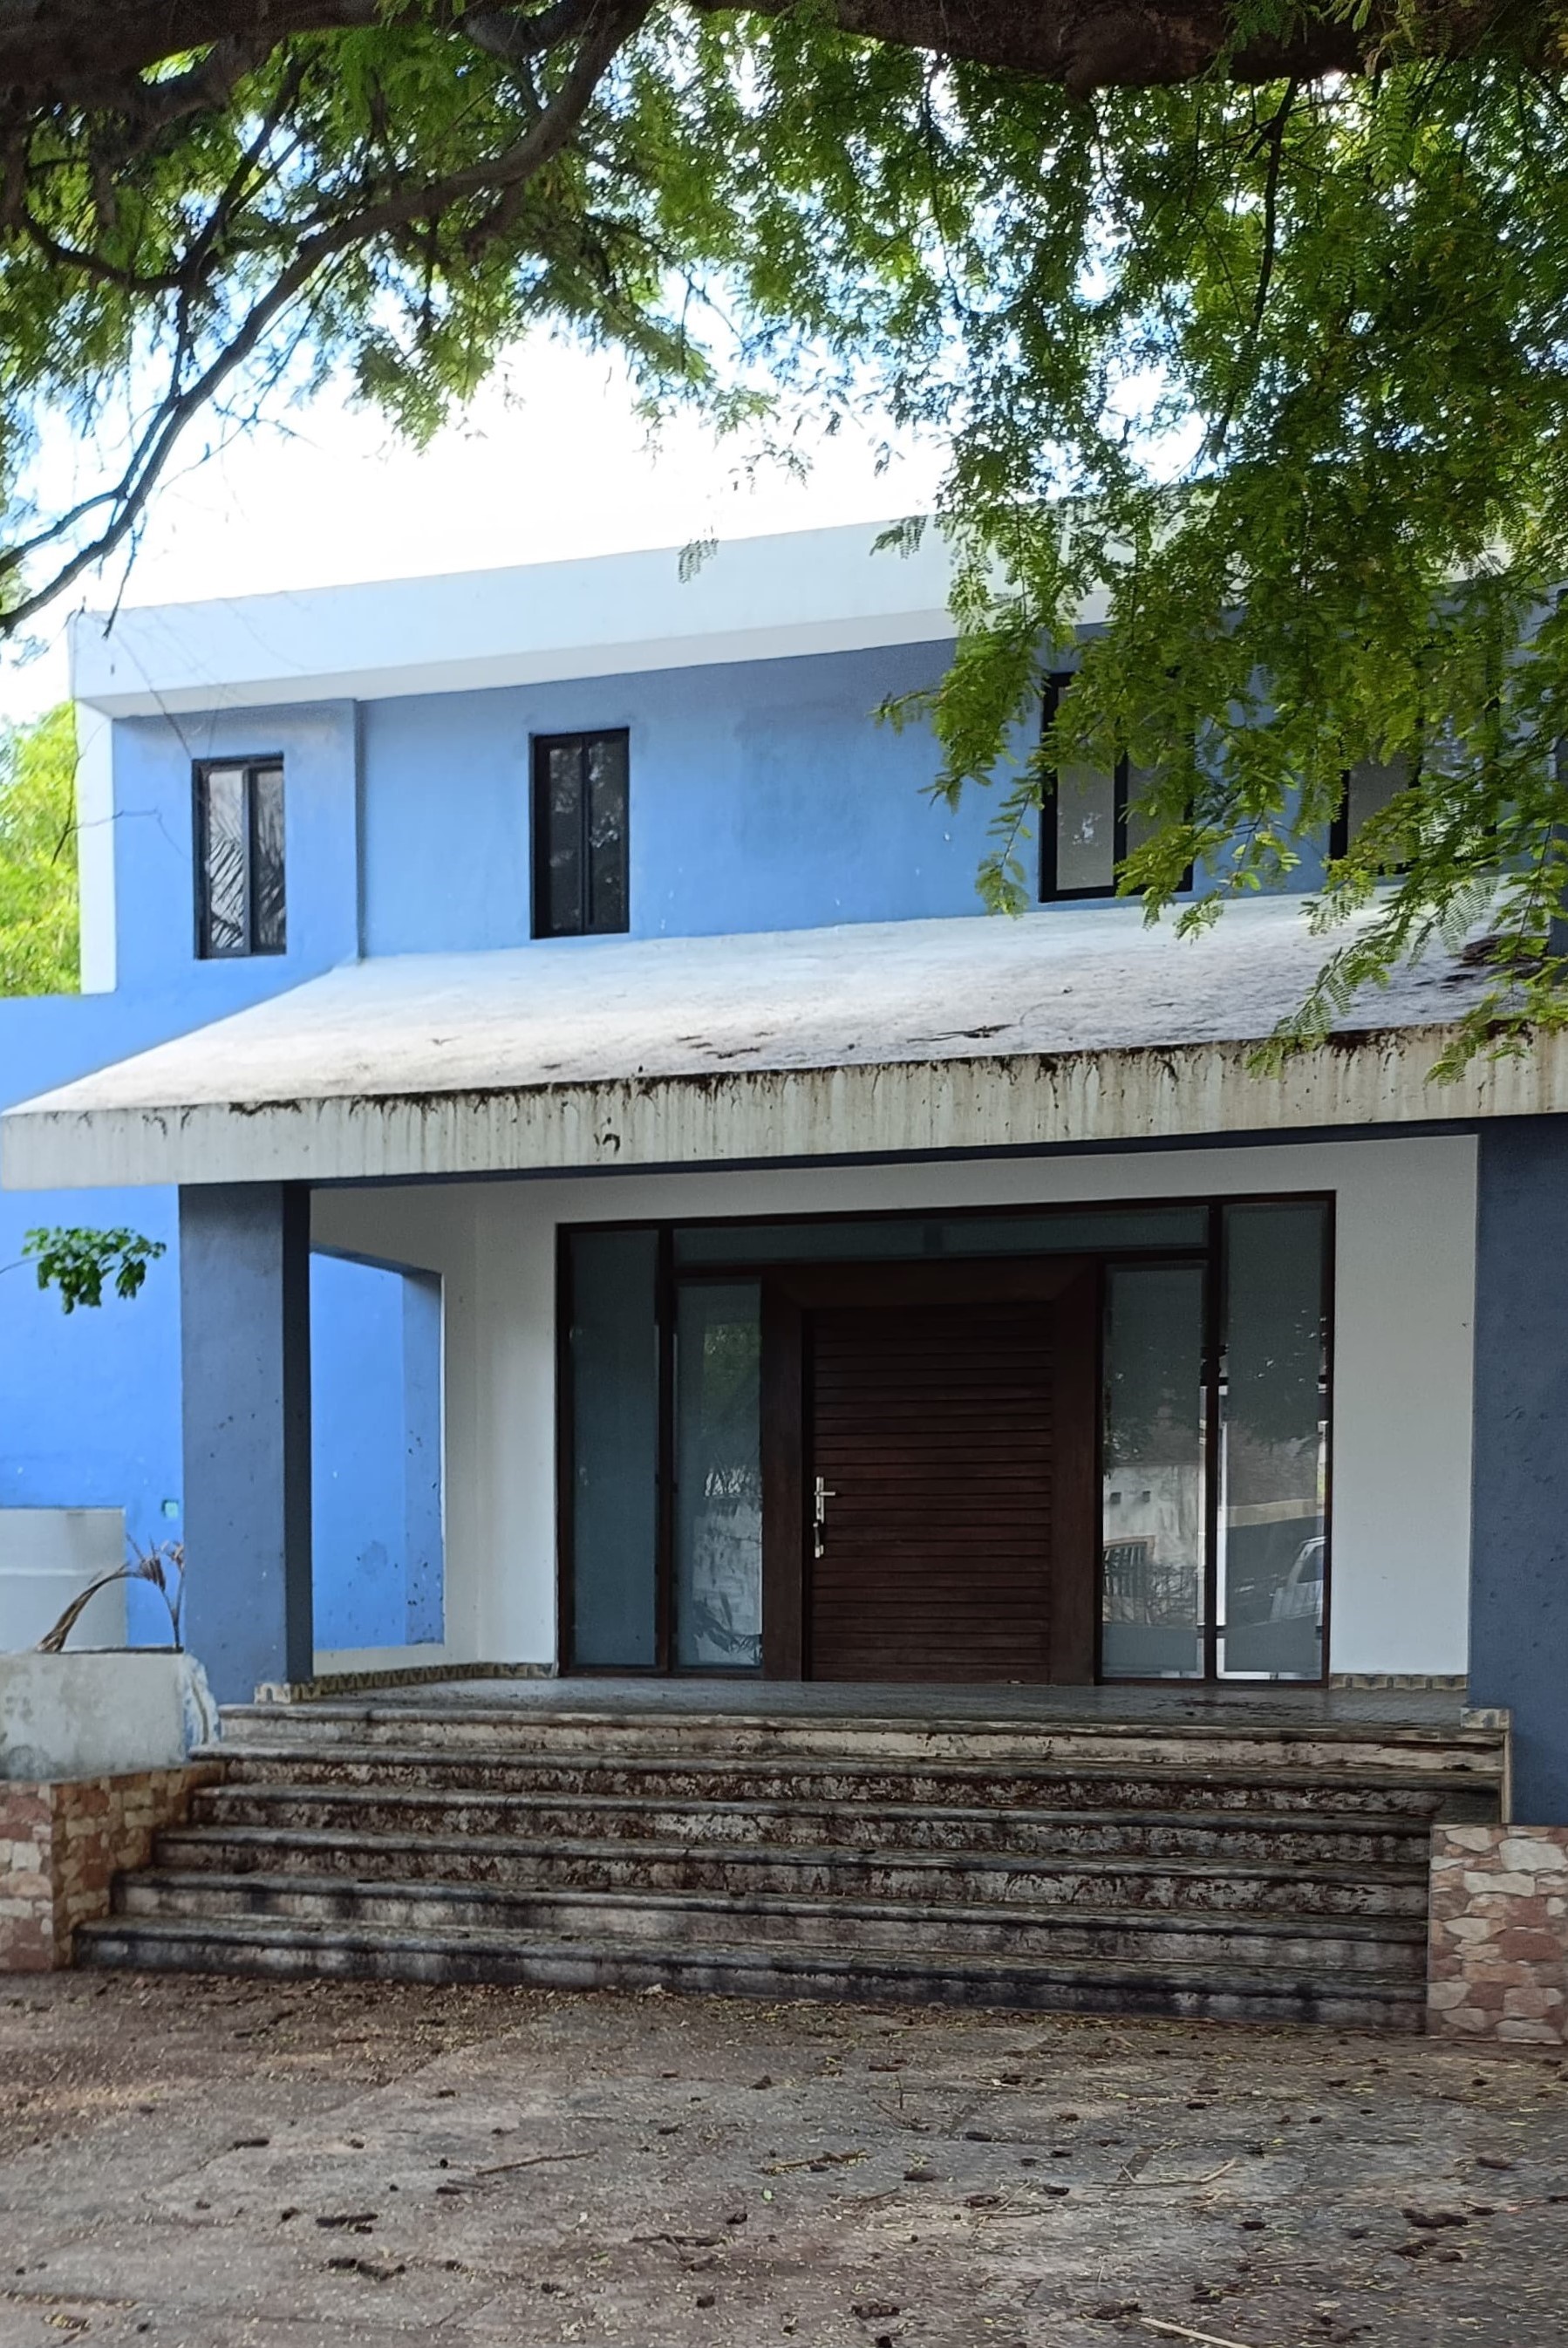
[(550, 461)]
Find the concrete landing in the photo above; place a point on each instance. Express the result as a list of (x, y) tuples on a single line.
[(1240, 1704)]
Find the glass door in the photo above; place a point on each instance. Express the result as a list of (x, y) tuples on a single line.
[(1153, 1473)]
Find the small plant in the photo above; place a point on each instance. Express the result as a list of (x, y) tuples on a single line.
[(77, 1260), (164, 1567)]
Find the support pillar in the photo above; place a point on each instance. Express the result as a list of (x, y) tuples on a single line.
[(244, 1293), (1519, 1556)]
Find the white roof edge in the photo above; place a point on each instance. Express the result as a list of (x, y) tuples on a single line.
[(958, 1034), (1129, 1096), (752, 599)]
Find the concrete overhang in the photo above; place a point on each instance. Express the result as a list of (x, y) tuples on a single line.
[(819, 591), (1061, 1028)]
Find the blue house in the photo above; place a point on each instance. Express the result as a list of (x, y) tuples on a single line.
[(630, 1212)]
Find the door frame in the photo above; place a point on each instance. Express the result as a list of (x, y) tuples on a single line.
[(790, 1292)]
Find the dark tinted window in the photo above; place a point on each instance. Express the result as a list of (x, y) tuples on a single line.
[(1090, 823), (239, 885), (1369, 787), (579, 834)]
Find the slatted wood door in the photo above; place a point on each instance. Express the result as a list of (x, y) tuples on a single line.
[(933, 1430)]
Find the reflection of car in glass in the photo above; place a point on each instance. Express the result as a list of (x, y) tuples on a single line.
[(1299, 1597)]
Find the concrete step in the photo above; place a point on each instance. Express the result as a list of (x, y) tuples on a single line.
[(282, 1949), (1390, 1947), (836, 1785), (1290, 1884), (1364, 1840), (1216, 1736)]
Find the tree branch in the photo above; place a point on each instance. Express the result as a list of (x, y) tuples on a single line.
[(88, 54), (544, 139)]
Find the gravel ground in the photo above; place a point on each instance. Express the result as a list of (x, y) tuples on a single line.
[(212, 2162)]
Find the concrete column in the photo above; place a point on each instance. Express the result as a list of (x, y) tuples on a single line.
[(1519, 1553), (245, 1303)]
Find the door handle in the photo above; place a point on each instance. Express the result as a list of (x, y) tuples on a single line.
[(824, 1493)]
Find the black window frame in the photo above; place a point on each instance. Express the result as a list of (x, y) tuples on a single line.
[(1120, 780), (541, 747), (253, 945)]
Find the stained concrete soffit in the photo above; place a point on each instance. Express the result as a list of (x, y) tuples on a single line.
[(1058, 1027)]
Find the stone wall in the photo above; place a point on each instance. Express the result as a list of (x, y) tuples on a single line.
[(1498, 1964), (62, 1843)]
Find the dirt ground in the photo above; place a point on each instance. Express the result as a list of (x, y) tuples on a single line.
[(209, 2163)]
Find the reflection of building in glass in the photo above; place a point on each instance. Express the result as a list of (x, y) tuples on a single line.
[(719, 1478), (724, 1593), (1153, 1541)]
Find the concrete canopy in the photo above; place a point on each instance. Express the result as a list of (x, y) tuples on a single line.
[(1059, 1028)]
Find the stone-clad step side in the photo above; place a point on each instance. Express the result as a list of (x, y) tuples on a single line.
[(1247, 1873)]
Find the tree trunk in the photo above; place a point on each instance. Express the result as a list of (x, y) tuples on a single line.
[(84, 53)]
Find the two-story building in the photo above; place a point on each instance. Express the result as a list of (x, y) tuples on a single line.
[(633, 1213)]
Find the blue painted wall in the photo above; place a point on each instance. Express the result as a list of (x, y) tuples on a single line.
[(89, 1405), (763, 796), (154, 850), (1519, 1557), (375, 1364)]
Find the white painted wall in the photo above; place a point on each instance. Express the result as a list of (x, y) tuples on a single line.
[(1404, 1284), (46, 1557), (604, 616), (95, 851)]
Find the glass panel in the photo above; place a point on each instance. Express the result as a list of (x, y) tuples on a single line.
[(1368, 789), (718, 1486), (562, 839), (1085, 817), (1274, 1441), (269, 932), (615, 1447), (606, 761), (1152, 1589), (898, 1238), (1139, 827), (225, 928)]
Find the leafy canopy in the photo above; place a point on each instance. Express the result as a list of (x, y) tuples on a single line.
[(39, 921), (78, 1261), (1261, 363)]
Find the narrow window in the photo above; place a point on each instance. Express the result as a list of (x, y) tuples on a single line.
[(240, 895), (579, 835), (1087, 832), (1369, 787)]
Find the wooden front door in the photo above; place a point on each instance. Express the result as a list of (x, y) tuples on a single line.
[(946, 1478)]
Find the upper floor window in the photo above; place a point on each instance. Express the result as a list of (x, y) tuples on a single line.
[(1087, 830), (239, 898), (579, 834), (1369, 787)]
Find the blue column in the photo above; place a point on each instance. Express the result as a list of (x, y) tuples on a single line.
[(1519, 1557), (244, 1294)]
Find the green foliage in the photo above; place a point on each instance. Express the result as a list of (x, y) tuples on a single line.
[(78, 1261), (1278, 378), (1269, 379), (38, 919)]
